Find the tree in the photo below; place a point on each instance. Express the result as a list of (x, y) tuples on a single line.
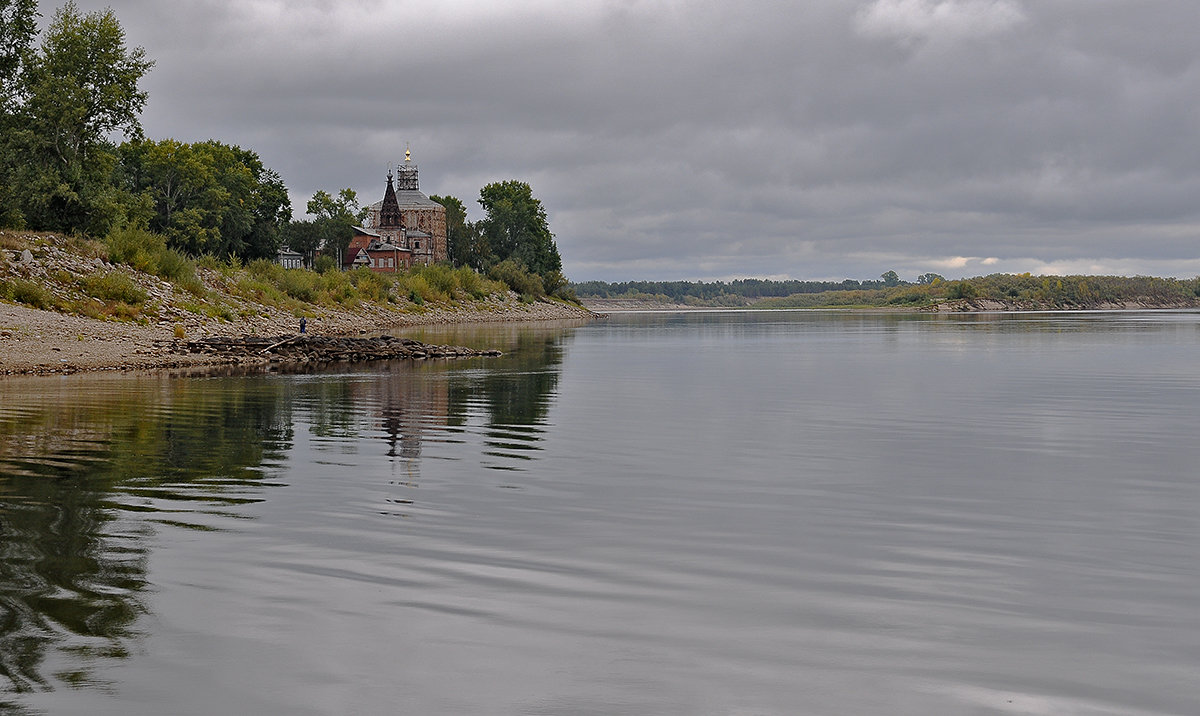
[(18, 26), (208, 197), (336, 217), (76, 90), (342, 208), (464, 240), (930, 279), (890, 278), (516, 227), (303, 237)]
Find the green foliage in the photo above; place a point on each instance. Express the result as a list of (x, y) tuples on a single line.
[(516, 227), (518, 278), (324, 264), (961, 289), (18, 27), (138, 248), (147, 251), (440, 278), (113, 286), (332, 228), (26, 292), (463, 239), (208, 197), (299, 284), (59, 109), (372, 286), (717, 293), (1016, 290), (344, 207)]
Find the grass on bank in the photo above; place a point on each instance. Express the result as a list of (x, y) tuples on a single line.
[(114, 294)]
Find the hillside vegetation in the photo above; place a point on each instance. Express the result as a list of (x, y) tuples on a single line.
[(134, 276)]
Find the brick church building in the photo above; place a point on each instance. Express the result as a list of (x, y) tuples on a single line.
[(405, 229)]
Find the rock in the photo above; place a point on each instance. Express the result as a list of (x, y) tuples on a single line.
[(26, 257)]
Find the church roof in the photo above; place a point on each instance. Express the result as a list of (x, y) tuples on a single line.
[(409, 199)]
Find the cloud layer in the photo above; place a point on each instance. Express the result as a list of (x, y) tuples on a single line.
[(717, 139)]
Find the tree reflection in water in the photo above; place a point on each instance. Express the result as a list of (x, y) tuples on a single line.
[(91, 467), (87, 469)]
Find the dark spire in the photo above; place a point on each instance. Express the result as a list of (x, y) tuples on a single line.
[(389, 213)]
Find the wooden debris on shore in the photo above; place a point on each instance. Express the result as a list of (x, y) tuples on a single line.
[(304, 348)]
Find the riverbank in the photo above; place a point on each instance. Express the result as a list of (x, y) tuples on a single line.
[(34, 341), (112, 316)]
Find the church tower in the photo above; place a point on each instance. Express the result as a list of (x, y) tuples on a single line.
[(389, 212), (406, 173)]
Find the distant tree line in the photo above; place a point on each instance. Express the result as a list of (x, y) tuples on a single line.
[(745, 288), (1017, 290), (1023, 290)]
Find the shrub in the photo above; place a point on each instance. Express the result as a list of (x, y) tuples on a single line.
[(174, 266), (440, 279), (113, 286), (26, 292), (324, 264), (518, 278), (148, 252), (371, 286), (299, 284), (138, 248)]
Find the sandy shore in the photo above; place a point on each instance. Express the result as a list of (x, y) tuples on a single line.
[(33, 341)]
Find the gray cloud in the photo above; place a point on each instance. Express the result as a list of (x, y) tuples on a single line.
[(719, 139)]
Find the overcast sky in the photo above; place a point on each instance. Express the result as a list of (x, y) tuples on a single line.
[(814, 139)]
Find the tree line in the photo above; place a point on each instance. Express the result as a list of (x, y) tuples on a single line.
[(65, 99), (714, 291)]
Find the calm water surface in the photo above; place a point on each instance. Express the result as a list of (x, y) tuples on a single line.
[(708, 513)]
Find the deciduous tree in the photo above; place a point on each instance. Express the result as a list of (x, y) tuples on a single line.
[(335, 218), (66, 99), (208, 197), (516, 227)]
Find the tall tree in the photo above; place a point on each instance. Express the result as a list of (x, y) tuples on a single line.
[(18, 26), (208, 197), (335, 217), (464, 240), (304, 237), (516, 227), (76, 90)]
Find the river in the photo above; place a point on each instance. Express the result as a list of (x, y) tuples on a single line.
[(724, 513)]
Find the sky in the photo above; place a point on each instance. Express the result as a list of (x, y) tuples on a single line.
[(714, 139)]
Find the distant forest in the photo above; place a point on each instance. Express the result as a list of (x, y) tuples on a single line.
[(1014, 290), (737, 292)]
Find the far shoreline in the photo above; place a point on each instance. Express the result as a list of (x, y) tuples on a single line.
[(626, 305)]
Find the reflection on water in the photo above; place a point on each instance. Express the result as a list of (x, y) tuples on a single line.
[(91, 467), (87, 469), (769, 513)]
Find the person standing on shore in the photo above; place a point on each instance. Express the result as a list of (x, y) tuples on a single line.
[(303, 324)]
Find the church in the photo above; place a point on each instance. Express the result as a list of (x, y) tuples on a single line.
[(405, 229)]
